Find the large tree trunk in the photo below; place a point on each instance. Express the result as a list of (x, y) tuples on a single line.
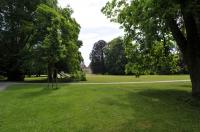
[(191, 20), (195, 76), (15, 75), (14, 69), (50, 73), (189, 43)]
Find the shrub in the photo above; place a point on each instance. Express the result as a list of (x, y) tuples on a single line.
[(78, 76), (2, 77)]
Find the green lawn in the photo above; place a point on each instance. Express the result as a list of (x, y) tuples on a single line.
[(165, 107), (36, 79), (112, 78)]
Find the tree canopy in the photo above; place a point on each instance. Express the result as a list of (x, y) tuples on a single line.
[(97, 57), (115, 57), (38, 35), (148, 21)]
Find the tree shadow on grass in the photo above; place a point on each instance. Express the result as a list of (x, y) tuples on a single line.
[(186, 86), (164, 110), (19, 86), (170, 96), (41, 92), (158, 110)]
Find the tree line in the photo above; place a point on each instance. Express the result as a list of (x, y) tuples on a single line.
[(122, 56), (38, 37)]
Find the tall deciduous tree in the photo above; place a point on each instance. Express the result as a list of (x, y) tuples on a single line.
[(152, 20), (97, 57), (16, 28), (152, 60), (115, 58), (55, 40)]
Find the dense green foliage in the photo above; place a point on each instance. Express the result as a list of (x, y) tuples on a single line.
[(59, 43), (122, 56), (16, 29), (114, 57), (152, 60), (150, 48), (149, 21), (38, 37), (97, 57), (108, 58)]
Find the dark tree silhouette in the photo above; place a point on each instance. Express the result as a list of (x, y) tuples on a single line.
[(97, 57)]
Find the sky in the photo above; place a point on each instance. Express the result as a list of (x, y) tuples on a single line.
[(94, 25)]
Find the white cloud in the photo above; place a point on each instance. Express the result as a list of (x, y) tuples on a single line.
[(94, 25)]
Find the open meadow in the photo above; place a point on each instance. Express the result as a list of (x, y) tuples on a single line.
[(95, 108)]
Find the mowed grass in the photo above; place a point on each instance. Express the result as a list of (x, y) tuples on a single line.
[(36, 79), (112, 78), (91, 78), (164, 107)]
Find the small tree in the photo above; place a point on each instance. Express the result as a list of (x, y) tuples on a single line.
[(55, 41), (49, 46)]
